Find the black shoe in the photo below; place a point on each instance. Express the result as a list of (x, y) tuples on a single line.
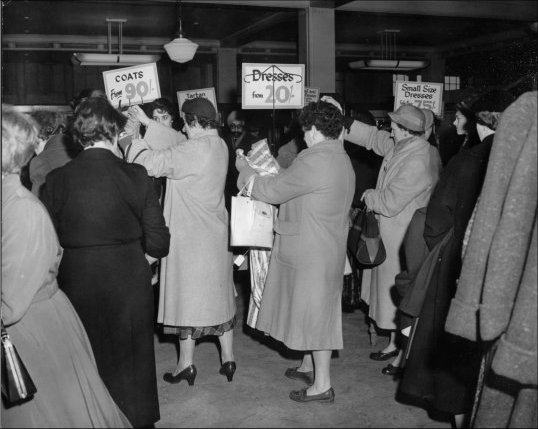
[(188, 374), (390, 369), (384, 356), (306, 376), (228, 369), (301, 396)]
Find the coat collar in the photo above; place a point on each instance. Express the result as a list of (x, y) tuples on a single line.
[(481, 149), (97, 153), (335, 146), (409, 144), (10, 184), (56, 141)]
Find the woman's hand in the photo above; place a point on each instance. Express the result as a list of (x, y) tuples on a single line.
[(150, 259), (240, 161), (364, 196), (137, 114)]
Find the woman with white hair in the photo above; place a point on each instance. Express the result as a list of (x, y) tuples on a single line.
[(39, 319)]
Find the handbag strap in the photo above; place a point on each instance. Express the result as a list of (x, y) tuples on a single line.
[(4, 333)]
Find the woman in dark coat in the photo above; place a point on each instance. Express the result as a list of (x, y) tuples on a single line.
[(107, 216), (441, 368)]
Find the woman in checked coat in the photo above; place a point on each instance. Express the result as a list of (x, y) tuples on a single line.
[(301, 303)]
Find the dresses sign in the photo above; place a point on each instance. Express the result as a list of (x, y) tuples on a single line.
[(272, 86)]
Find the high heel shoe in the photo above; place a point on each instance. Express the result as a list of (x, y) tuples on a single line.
[(188, 374), (228, 369)]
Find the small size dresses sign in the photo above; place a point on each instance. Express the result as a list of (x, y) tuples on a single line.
[(426, 95)]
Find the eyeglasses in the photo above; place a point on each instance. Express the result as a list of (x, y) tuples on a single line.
[(236, 127)]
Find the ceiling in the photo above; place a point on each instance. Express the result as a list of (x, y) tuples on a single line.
[(56, 29)]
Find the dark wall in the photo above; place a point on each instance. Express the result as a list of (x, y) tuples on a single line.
[(32, 78)]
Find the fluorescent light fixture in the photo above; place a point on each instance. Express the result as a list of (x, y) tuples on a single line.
[(120, 60), (403, 65)]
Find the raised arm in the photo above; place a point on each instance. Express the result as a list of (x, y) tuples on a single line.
[(369, 136)]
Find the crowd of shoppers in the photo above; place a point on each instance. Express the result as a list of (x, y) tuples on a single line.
[(79, 277)]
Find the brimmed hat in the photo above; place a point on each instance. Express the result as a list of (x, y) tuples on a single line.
[(201, 107), (409, 116), (429, 118)]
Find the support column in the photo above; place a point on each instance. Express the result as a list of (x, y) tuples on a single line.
[(435, 72), (317, 47), (227, 90)]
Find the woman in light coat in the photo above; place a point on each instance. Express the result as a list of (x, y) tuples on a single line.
[(196, 285), (39, 318), (301, 303), (408, 174)]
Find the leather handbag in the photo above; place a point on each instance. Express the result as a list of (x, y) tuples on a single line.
[(251, 221), (17, 385), (364, 241)]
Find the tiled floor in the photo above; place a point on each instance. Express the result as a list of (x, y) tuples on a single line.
[(258, 394)]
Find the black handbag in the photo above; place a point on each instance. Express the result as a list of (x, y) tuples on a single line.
[(364, 241), (17, 385)]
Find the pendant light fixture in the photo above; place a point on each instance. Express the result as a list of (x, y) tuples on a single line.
[(180, 49)]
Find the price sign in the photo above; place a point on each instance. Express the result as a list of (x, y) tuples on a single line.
[(311, 95), (426, 95), (132, 85), (272, 86), (208, 93)]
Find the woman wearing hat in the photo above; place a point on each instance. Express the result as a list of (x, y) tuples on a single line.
[(408, 174), (440, 366), (196, 296)]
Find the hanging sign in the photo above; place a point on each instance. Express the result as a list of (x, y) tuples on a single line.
[(311, 95), (426, 95), (208, 93), (132, 85), (272, 86)]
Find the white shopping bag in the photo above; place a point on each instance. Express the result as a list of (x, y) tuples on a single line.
[(251, 223)]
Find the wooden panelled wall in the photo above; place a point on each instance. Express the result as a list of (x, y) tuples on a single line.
[(34, 83)]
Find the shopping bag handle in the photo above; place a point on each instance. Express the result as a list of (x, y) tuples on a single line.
[(247, 186)]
